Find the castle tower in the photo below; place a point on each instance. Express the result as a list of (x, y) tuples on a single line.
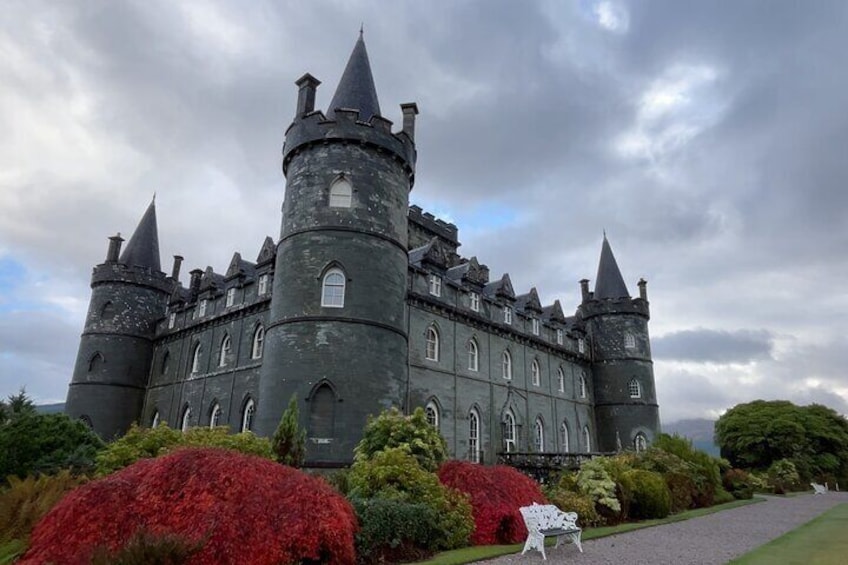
[(336, 337), (128, 294), (626, 410)]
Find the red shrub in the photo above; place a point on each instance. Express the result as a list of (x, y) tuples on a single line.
[(496, 495), (245, 509)]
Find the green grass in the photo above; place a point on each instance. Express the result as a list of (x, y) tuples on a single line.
[(821, 541), (480, 552)]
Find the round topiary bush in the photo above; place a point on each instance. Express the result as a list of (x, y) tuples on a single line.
[(650, 497), (240, 508), (496, 495)]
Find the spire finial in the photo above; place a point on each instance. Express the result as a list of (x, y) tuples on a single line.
[(154, 198), (361, 29)]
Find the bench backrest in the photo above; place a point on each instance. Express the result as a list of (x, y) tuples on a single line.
[(548, 517)]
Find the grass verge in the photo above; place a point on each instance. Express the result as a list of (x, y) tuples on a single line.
[(821, 541), (480, 552)]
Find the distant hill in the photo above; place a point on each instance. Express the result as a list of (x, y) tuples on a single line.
[(699, 430), (50, 408)]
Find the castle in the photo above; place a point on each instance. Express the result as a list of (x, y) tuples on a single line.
[(364, 303)]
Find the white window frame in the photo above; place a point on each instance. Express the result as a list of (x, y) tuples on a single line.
[(640, 442), (435, 285), (581, 345), (474, 299), (634, 387), (155, 421), (539, 436), (560, 379), (201, 309), (247, 415), (231, 297), (474, 436), (535, 325), (431, 344), (587, 439), (195, 358), (186, 419), (559, 335), (473, 355), (536, 373), (629, 341), (258, 342), (215, 415), (226, 349), (431, 412), (506, 365), (563, 437), (333, 280), (263, 285), (172, 320), (583, 386), (341, 193), (509, 432), (507, 315)]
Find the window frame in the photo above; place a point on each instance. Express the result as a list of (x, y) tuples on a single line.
[(507, 315), (225, 351), (509, 432), (185, 421), (535, 373), (202, 307), (535, 326), (474, 299), (434, 284), (474, 455), (195, 358), (634, 387), (215, 415), (248, 413), (473, 355), (333, 299), (257, 345), (432, 409), (231, 297), (563, 437), (172, 320), (262, 285), (560, 379), (506, 365), (587, 439), (341, 193), (432, 344), (559, 336), (583, 385), (629, 341), (539, 436)]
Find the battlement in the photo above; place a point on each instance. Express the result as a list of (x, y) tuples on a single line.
[(135, 275), (424, 226), (611, 306)]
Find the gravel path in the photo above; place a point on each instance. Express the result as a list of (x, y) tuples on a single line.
[(715, 538)]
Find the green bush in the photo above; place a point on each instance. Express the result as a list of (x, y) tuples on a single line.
[(567, 482), (783, 476), (25, 501), (339, 480), (412, 433), (394, 474), (595, 481), (289, 441), (722, 496), (142, 443), (704, 469), (651, 497), (392, 531), (146, 549), (682, 489), (582, 504), (738, 483), (11, 550)]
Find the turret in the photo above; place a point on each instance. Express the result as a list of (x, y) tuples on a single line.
[(129, 292), (336, 337), (626, 410)]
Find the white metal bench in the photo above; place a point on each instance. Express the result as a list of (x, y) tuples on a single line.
[(546, 520), (819, 489)]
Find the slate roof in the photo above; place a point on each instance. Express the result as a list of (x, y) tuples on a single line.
[(143, 247), (356, 88), (609, 282)]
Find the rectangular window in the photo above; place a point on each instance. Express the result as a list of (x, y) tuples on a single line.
[(475, 301), (263, 285), (231, 296), (507, 315), (535, 326), (202, 308), (172, 319), (559, 336), (435, 285), (581, 345)]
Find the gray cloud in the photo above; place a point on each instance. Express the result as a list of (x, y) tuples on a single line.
[(714, 346)]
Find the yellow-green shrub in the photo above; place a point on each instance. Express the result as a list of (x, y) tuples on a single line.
[(25, 501), (650, 496), (582, 504)]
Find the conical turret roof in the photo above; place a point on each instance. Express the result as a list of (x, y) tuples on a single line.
[(356, 87), (143, 248), (609, 282)]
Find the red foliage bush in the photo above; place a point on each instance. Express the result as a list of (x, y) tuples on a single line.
[(243, 508), (496, 495)]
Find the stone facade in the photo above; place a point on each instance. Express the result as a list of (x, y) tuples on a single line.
[(364, 303)]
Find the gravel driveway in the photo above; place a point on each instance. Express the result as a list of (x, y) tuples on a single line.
[(715, 538)]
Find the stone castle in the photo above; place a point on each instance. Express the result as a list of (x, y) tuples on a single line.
[(364, 303)]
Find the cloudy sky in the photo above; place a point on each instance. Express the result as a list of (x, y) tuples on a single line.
[(709, 140)]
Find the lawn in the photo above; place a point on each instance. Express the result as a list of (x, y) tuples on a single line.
[(478, 553), (821, 541)]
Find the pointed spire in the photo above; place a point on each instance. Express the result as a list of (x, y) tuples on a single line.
[(143, 248), (609, 283), (356, 87)]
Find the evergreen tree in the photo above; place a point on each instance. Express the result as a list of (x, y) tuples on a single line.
[(289, 441)]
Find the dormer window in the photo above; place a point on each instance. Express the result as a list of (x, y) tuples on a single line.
[(581, 345), (202, 308), (341, 193), (507, 315), (263, 285), (629, 341), (172, 320), (231, 297), (559, 336), (475, 301), (535, 325), (435, 285)]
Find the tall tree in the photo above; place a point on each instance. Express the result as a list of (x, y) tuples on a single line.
[(289, 441)]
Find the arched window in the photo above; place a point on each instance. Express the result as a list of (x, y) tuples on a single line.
[(432, 413), (582, 385), (506, 368), (258, 340), (563, 437), (186, 419), (539, 436), (635, 389), (195, 358), (587, 439), (333, 289), (341, 193), (536, 373), (473, 355), (166, 361), (560, 380), (225, 351), (247, 415), (640, 442), (108, 311), (431, 351), (154, 421), (474, 436), (629, 341), (322, 412), (215, 415), (95, 364), (509, 431)]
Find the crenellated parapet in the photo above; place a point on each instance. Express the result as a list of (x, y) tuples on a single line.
[(612, 306), (132, 275)]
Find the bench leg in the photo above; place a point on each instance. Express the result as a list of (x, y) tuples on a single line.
[(535, 541)]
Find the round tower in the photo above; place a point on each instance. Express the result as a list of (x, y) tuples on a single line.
[(336, 338), (128, 295), (626, 409)]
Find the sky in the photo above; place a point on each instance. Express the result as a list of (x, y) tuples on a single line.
[(708, 139)]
